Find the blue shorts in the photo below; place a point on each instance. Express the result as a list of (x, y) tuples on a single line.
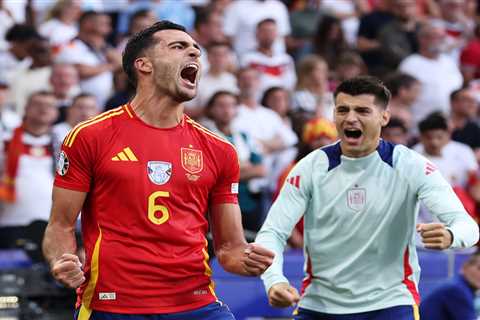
[(213, 311), (393, 313)]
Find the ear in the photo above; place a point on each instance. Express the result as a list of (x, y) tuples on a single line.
[(143, 64), (385, 117)]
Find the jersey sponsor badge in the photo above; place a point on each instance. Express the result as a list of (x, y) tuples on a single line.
[(107, 296), (356, 198), (159, 172), (62, 163), (234, 188)]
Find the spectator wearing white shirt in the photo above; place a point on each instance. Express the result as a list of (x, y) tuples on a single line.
[(275, 68), (84, 106), (437, 73), (217, 78), (61, 28), (94, 59), (241, 19), (455, 161)]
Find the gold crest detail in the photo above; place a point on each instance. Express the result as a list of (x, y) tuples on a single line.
[(192, 160), (192, 177)]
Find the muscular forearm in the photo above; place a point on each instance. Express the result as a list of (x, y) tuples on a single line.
[(58, 240), (231, 258)]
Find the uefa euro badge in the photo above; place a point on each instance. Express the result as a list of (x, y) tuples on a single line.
[(159, 172), (62, 164), (356, 198)]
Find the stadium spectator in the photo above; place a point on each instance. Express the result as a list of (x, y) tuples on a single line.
[(94, 59), (6, 21), (464, 109), (348, 12), (349, 65), (25, 190), (83, 107), (396, 131), (35, 78), (405, 90), (140, 20), (9, 120), (176, 11), (208, 30), (278, 100), (16, 56), (358, 227), (368, 43), (216, 78), (470, 58), (455, 300), (304, 19), (455, 161), (222, 109), (312, 96), (161, 227), (329, 42), (438, 74), (242, 17), (458, 26), (398, 38), (274, 68), (61, 27), (262, 124), (65, 86)]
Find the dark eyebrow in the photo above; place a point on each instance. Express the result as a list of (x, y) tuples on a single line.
[(185, 44)]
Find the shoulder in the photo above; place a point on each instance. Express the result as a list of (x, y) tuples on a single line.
[(211, 137), (93, 127), (410, 161)]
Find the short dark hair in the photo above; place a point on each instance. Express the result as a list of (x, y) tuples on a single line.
[(202, 17), (396, 123), (142, 13), (215, 44), (21, 32), (267, 94), (434, 121), (398, 80), (365, 85), (88, 15), (82, 95), (216, 95), (456, 92), (141, 41), (41, 93), (266, 20)]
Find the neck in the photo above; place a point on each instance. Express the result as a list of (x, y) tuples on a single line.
[(266, 51), (156, 108), (224, 128), (428, 54), (36, 129), (458, 120), (215, 71), (96, 41), (249, 101), (317, 88), (66, 20)]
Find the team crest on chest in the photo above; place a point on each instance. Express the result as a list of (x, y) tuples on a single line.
[(159, 172), (356, 198)]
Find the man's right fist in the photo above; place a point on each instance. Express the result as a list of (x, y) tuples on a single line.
[(282, 295), (68, 270)]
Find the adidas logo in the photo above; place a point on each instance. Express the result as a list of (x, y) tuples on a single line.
[(294, 181), (125, 155)]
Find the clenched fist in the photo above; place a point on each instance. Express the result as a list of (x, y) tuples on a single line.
[(435, 235), (68, 270), (283, 295), (257, 259)]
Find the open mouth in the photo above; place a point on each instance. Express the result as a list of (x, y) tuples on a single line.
[(189, 73), (352, 133)]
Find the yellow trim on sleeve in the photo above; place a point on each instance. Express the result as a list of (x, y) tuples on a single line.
[(208, 270), (105, 117), (87, 297), (416, 312)]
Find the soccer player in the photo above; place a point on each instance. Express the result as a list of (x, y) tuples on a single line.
[(144, 176), (360, 198)]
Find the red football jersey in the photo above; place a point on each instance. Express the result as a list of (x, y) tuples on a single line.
[(144, 220)]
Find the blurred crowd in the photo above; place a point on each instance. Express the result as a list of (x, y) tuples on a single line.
[(269, 69)]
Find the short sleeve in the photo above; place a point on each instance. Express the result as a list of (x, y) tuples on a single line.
[(226, 188), (75, 162)]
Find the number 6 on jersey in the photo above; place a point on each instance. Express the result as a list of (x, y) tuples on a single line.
[(154, 208)]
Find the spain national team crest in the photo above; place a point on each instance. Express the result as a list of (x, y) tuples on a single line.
[(356, 198), (159, 172), (192, 160)]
